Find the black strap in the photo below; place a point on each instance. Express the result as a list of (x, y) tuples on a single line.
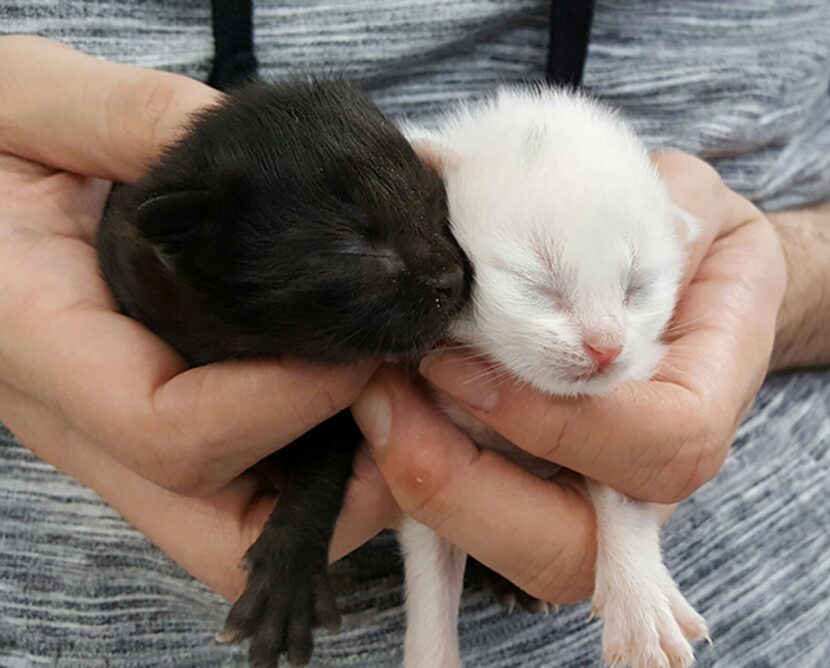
[(234, 61), (570, 30)]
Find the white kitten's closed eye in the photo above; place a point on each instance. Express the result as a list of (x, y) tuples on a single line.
[(635, 291)]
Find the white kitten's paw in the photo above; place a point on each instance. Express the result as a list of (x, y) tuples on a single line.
[(648, 626), (690, 621)]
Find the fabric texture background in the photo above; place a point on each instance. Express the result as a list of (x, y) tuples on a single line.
[(744, 85)]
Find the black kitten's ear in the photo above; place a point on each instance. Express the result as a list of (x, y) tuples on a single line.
[(172, 217)]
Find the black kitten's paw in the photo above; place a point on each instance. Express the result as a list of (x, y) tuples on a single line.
[(508, 594), (287, 595)]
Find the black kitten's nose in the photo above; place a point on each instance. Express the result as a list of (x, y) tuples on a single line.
[(449, 284)]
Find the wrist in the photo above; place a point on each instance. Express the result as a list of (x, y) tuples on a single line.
[(803, 325)]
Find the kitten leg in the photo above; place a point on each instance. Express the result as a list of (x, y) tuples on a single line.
[(434, 579), (647, 621), (288, 592)]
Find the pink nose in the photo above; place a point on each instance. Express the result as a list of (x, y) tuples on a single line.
[(602, 355)]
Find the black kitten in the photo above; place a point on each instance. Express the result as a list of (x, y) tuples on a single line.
[(294, 219)]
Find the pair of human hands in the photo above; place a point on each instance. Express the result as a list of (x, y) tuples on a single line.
[(182, 453)]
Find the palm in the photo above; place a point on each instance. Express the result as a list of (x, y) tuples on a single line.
[(48, 230), (177, 451), (50, 220)]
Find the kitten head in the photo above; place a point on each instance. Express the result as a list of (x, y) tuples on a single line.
[(301, 216), (573, 237)]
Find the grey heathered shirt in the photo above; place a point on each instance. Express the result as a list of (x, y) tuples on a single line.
[(742, 83)]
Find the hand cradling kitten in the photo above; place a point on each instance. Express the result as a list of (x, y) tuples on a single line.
[(297, 220), (293, 219), (578, 255)]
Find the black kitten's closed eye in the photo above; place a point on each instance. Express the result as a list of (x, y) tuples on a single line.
[(251, 213), (378, 256)]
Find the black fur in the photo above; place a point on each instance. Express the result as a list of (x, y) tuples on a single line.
[(293, 220)]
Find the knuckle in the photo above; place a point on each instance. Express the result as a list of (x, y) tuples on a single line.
[(335, 393), (563, 436), (706, 174), (695, 463), (561, 578), (151, 99), (699, 472), (174, 479), (161, 453), (173, 473), (677, 162), (421, 476), (148, 111), (697, 176), (320, 406), (11, 51)]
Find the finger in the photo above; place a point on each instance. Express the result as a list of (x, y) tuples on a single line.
[(711, 371), (536, 533), (62, 204), (725, 324), (68, 110), (188, 430), (191, 430), (369, 507), (208, 536), (698, 189)]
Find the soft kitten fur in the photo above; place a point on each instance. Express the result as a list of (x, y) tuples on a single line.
[(293, 219), (573, 239)]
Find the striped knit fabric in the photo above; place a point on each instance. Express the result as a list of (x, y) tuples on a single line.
[(744, 85)]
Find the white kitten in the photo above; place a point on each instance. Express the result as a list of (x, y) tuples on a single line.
[(578, 257)]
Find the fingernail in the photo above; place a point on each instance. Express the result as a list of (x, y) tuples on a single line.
[(373, 412), (468, 379)]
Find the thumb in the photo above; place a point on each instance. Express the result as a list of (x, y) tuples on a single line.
[(74, 112), (482, 503)]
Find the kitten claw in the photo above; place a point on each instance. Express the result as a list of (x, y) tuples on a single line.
[(508, 594), (550, 609), (616, 661), (279, 608), (227, 637), (659, 636), (333, 627)]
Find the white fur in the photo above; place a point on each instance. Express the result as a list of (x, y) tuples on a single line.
[(647, 620), (560, 210), (434, 579)]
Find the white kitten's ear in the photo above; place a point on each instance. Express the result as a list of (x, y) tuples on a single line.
[(435, 155), (688, 227)]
